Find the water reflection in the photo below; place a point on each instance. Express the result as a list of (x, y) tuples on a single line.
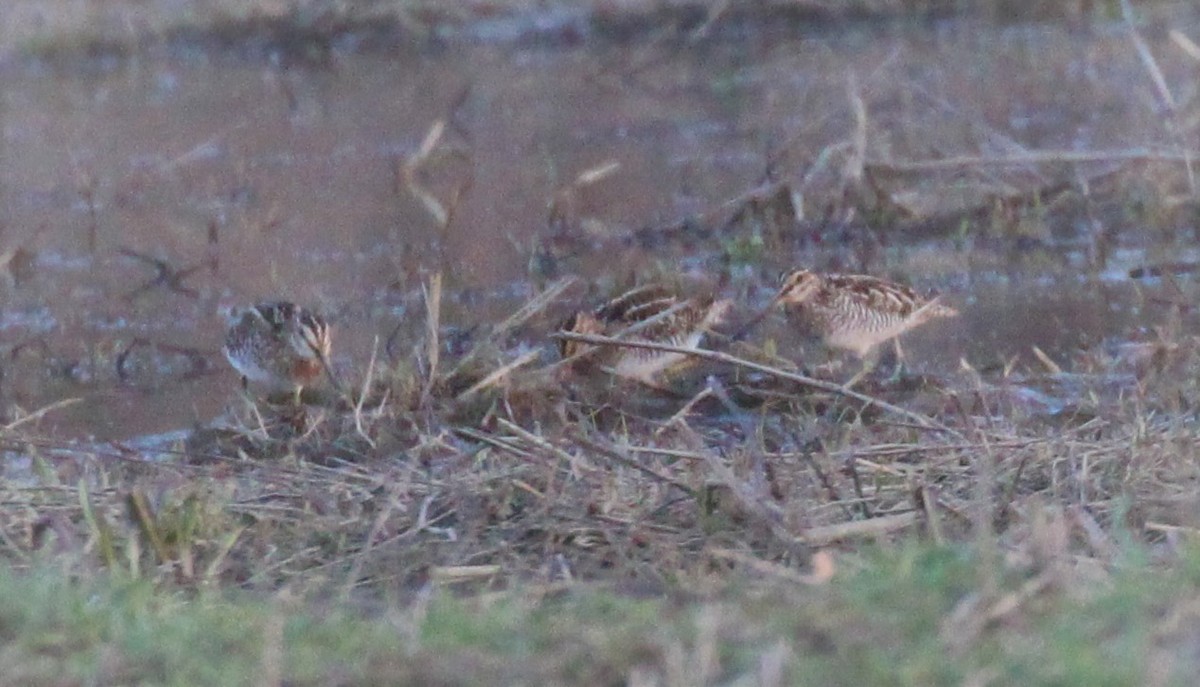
[(135, 200)]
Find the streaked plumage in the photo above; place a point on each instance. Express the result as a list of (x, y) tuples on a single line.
[(278, 344), (855, 312), (646, 313)]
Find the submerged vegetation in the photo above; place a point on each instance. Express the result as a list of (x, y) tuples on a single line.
[(471, 509)]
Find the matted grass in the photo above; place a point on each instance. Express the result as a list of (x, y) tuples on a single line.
[(479, 516), (432, 536)]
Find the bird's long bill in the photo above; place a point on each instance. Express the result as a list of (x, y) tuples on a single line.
[(333, 380), (934, 308)]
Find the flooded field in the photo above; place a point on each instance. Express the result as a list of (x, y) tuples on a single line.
[(1016, 504), (1021, 171)]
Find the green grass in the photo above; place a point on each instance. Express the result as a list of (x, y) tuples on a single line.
[(887, 618)]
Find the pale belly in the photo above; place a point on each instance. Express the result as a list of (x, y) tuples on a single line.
[(250, 369), (646, 365), (860, 342)]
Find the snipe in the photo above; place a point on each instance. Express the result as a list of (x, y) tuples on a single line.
[(855, 312), (649, 313), (278, 344)]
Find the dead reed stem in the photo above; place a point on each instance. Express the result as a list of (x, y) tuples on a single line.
[(717, 356), (433, 344), (1032, 157), (500, 374), (853, 170), (1163, 90), (613, 453), (39, 413), (871, 527), (359, 425)]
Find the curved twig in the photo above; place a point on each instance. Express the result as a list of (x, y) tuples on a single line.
[(717, 356)]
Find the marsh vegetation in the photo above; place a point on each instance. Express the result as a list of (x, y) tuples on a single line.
[(1018, 508)]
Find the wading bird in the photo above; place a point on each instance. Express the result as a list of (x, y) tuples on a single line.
[(649, 314), (854, 312), (278, 344)]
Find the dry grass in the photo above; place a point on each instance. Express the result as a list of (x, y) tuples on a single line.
[(490, 471), (597, 538), (495, 475), (492, 466)]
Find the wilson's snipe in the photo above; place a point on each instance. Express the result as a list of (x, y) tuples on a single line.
[(278, 344), (646, 313), (855, 312)]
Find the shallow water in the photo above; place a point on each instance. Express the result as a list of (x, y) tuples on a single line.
[(251, 181)]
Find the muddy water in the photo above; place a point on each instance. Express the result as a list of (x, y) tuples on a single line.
[(138, 196)]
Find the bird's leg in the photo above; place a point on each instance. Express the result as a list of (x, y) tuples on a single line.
[(831, 367), (248, 400), (901, 361), (869, 361), (296, 415), (245, 391), (895, 356)]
